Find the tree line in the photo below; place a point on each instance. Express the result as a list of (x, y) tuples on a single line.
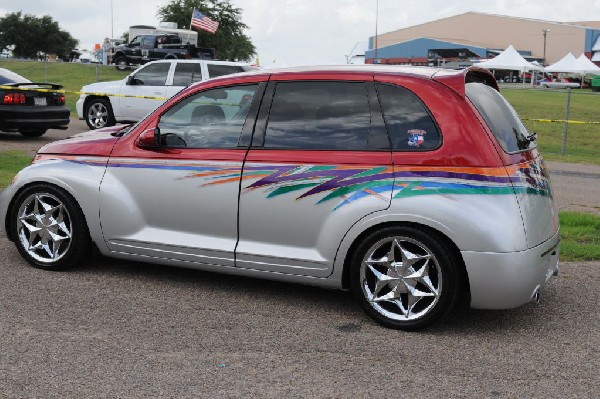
[(29, 36)]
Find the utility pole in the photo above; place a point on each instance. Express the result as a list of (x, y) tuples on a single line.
[(545, 32)]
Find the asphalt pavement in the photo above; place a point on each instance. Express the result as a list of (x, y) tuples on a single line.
[(123, 329)]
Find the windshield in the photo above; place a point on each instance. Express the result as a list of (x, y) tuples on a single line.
[(500, 116)]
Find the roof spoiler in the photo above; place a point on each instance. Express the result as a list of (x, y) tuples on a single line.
[(456, 81)]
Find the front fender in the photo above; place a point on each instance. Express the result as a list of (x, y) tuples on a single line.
[(80, 180)]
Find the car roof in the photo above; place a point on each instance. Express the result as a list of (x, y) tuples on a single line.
[(196, 60), (8, 76), (455, 79)]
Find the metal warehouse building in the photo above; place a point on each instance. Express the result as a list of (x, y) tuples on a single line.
[(477, 35)]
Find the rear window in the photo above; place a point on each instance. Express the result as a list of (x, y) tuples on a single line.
[(500, 116)]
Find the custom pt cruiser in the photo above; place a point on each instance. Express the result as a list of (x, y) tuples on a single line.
[(409, 186)]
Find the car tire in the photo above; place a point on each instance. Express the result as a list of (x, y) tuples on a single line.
[(98, 113), (49, 228), (33, 133), (405, 278), (121, 63)]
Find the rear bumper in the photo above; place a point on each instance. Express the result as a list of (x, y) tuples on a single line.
[(508, 280), (28, 117)]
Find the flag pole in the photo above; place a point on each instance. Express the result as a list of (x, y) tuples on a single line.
[(190, 30)]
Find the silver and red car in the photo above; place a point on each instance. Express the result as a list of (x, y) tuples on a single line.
[(409, 186)]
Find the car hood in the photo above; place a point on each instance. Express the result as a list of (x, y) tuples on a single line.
[(104, 87), (98, 142)]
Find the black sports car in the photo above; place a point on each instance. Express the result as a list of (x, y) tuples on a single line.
[(30, 108)]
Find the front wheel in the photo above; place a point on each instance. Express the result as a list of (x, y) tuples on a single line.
[(99, 113), (49, 228), (404, 278)]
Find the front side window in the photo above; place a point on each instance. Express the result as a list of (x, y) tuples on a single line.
[(319, 115), (210, 119), (410, 126), (187, 73), (135, 42), (153, 74), (500, 116)]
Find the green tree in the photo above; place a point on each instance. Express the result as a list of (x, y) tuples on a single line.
[(229, 41), (30, 36)]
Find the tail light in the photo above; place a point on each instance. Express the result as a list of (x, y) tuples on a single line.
[(14, 98), (60, 99), (187, 56)]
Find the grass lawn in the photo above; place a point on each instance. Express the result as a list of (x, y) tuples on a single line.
[(580, 232), (11, 162), (580, 235), (72, 76), (583, 141)]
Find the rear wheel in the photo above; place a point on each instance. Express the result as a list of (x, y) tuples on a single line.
[(404, 278), (99, 113), (33, 133), (49, 228)]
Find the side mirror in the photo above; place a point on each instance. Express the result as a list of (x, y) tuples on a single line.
[(131, 80), (149, 139)]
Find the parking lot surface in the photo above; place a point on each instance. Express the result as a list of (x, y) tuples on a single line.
[(122, 329)]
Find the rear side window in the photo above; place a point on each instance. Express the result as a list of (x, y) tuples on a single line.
[(410, 126), (187, 73), (215, 70), (319, 115), (501, 118)]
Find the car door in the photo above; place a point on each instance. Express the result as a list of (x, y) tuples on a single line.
[(180, 201), (144, 91), (319, 162)]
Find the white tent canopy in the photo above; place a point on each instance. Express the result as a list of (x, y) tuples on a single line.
[(509, 59), (567, 64), (588, 66)]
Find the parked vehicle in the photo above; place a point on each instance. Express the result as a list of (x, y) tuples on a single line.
[(559, 84), (27, 111), (595, 83), (132, 98), (145, 48), (410, 186)]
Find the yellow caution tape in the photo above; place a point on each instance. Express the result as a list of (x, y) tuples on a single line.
[(166, 98), (562, 121), (60, 91), (90, 93)]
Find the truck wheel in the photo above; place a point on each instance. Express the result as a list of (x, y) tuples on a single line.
[(121, 63), (98, 113)]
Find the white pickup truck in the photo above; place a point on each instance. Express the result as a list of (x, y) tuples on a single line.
[(559, 84), (123, 100)]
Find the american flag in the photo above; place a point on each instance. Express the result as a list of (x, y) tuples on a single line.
[(201, 21)]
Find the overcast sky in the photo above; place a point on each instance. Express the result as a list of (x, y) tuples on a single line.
[(296, 32)]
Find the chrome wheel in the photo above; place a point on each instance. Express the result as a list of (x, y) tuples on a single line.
[(44, 227), (401, 278), (97, 115)]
